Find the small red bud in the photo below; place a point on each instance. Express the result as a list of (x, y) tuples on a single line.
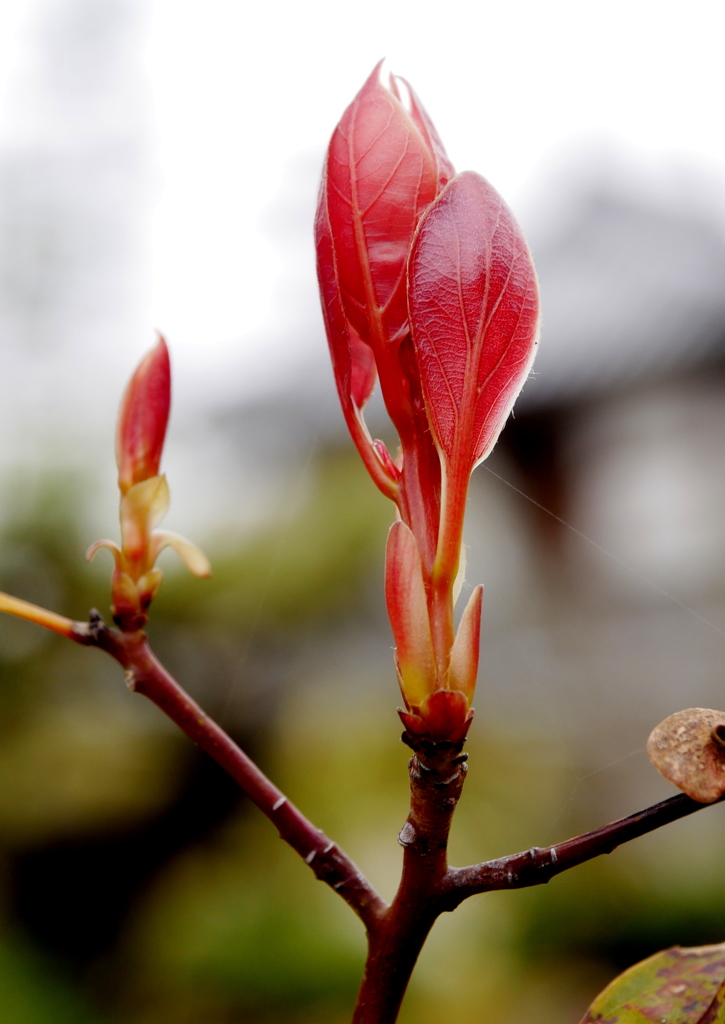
[(142, 419), (444, 716), (384, 456), (140, 435)]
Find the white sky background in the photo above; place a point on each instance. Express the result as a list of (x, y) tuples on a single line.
[(241, 91), (238, 101)]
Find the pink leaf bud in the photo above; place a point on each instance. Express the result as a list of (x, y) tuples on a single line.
[(142, 419)]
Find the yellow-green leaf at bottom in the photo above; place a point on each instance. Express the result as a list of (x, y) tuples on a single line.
[(677, 986)]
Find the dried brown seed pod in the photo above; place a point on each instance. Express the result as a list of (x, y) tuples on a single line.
[(688, 748)]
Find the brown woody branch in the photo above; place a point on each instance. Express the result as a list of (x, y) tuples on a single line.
[(146, 675), (537, 865), (428, 887), (436, 781)]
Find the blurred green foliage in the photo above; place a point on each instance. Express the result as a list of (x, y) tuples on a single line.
[(32, 992), (307, 570), (288, 645)]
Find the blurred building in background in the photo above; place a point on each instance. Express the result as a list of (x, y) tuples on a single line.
[(137, 886)]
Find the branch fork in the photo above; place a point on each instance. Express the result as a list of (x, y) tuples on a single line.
[(437, 772)]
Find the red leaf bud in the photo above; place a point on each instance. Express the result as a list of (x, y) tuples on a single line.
[(143, 418), (444, 716), (428, 285), (140, 434), (384, 456)]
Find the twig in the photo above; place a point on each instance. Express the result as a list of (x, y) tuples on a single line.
[(537, 865), (436, 782), (146, 675), (428, 887)]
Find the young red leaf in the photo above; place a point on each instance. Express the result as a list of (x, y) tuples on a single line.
[(430, 134), (353, 363), (363, 373), (384, 166), (352, 360), (474, 315), (380, 175)]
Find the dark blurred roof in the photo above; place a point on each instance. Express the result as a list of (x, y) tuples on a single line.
[(629, 291)]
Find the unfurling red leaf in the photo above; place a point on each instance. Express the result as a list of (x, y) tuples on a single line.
[(125, 599), (148, 586), (474, 316), (427, 286), (677, 986), (430, 133), (464, 655), (109, 545), (363, 372), (384, 167), (408, 613), (352, 360), (687, 748), (193, 557), (143, 507)]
